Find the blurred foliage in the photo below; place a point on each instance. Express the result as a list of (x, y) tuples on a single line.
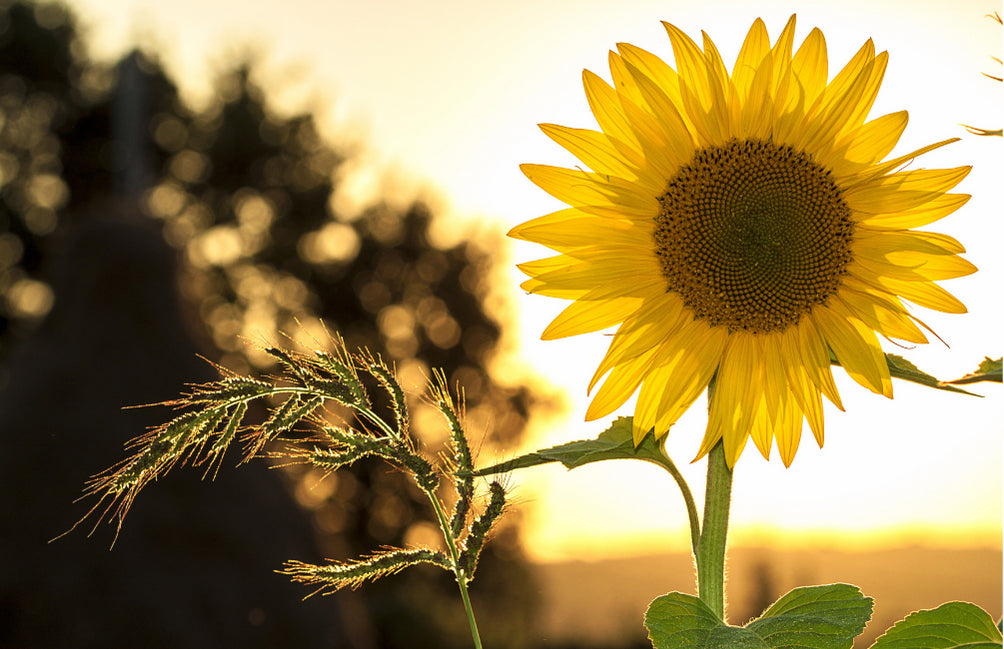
[(244, 194)]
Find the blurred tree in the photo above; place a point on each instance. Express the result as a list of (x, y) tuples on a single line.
[(245, 195), (58, 153), (100, 282), (37, 74)]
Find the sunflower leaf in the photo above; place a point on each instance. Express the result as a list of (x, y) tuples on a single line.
[(989, 370), (820, 617), (678, 621), (615, 443), (901, 368), (950, 626), (816, 617)]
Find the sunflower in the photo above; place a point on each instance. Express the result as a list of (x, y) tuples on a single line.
[(744, 231)]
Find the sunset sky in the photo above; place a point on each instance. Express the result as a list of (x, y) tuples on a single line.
[(444, 97)]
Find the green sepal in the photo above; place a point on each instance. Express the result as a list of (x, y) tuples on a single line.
[(615, 443), (955, 625), (815, 617), (989, 370)]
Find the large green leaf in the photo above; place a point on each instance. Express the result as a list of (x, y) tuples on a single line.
[(823, 617), (816, 617), (679, 621), (615, 443), (955, 625)]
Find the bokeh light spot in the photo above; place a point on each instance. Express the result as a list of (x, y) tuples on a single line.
[(334, 243), (11, 249), (30, 298), (165, 200), (189, 166), (40, 220), (48, 191), (218, 246), (169, 132)]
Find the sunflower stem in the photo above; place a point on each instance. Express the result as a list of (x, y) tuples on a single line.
[(710, 554)]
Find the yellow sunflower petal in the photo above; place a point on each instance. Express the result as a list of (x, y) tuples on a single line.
[(654, 321), (882, 169), (619, 385), (924, 293), (680, 376), (624, 266), (655, 133), (903, 190), (762, 429), (881, 315), (813, 351), (835, 112), (695, 89), (624, 84), (785, 41), (910, 257), (804, 390), (675, 132), (849, 74), (809, 400), (654, 68), (601, 153), (751, 55), (810, 66), (606, 108), (869, 91), (757, 114), (690, 63), (735, 400), (856, 348), (933, 210), (947, 243), (571, 228), (603, 194), (569, 278), (877, 138), (719, 88), (583, 316), (883, 244), (789, 430)]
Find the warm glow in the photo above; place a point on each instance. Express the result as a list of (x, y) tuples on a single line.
[(450, 92)]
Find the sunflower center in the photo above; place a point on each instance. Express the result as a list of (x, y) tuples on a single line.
[(753, 235)]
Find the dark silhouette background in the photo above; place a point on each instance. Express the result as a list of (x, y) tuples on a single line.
[(136, 232)]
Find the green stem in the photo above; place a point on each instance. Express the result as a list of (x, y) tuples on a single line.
[(710, 553), (688, 497), (451, 544)]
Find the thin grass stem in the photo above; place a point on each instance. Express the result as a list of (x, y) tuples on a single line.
[(458, 570)]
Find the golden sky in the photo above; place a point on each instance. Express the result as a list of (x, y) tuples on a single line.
[(447, 94)]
